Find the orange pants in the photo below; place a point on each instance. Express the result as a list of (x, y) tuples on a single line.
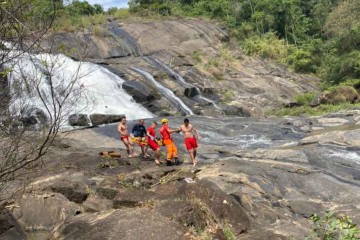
[(171, 149)]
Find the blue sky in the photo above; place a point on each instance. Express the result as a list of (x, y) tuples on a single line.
[(110, 3)]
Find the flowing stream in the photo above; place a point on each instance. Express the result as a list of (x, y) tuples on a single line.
[(156, 62), (165, 91)]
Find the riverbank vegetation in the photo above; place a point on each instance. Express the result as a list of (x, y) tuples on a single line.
[(320, 37)]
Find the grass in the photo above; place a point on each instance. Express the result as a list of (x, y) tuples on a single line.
[(67, 23), (304, 99), (214, 67), (269, 46), (316, 111), (72, 24)]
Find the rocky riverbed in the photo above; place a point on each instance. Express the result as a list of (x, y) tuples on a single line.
[(258, 178)]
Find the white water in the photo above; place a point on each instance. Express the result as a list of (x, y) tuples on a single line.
[(182, 80), (243, 141), (167, 92), (353, 156), (83, 87)]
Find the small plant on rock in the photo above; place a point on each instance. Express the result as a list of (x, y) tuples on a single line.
[(332, 227)]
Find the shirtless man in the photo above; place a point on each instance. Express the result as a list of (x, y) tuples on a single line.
[(124, 136), (189, 138)]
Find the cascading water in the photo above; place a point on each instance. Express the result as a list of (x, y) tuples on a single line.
[(45, 82), (156, 62), (166, 92)]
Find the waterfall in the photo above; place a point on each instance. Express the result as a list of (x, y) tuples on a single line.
[(156, 62), (165, 91), (44, 81)]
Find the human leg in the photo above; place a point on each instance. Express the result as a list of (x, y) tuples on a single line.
[(131, 147)]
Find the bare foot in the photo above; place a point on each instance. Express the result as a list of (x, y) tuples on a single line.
[(135, 155), (157, 162), (194, 164)]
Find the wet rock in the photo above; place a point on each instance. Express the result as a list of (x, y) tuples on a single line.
[(318, 100), (33, 116), (75, 192), (4, 93), (332, 122), (127, 224), (235, 111), (276, 154), (349, 138), (140, 92), (191, 92), (97, 204), (79, 120), (98, 119), (9, 228)]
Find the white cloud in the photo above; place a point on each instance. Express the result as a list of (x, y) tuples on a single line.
[(110, 3)]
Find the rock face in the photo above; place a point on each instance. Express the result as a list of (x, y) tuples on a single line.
[(188, 56), (140, 92), (98, 119), (124, 224), (79, 120), (44, 212)]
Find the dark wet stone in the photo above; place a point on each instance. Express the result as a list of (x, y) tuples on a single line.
[(79, 120), (139, 91), (98, 119), (191, 92)]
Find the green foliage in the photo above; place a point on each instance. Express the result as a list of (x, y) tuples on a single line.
[(269, 46), (304, 99), (332, 227), (321, 37), (120, 13), (228, 232), (316, 111)]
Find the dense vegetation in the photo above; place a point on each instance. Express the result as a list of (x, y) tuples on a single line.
[(316, 36)]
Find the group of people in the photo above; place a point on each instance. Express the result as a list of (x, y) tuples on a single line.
[(146, 138)]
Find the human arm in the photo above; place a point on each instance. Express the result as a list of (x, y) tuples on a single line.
[(197, 132), (150, 136)]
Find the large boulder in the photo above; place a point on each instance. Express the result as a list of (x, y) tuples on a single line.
[(191, 92), (127, 224), (339, 95), (81, 120), (140, 92), (4, 93), (342, 95), (75, 192), (9, 228), (44, 212), (32, 116), (98, 119), (200, 204)]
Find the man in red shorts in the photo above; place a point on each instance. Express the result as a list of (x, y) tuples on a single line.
[(124, 137), (189, 138), (151, 141)]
